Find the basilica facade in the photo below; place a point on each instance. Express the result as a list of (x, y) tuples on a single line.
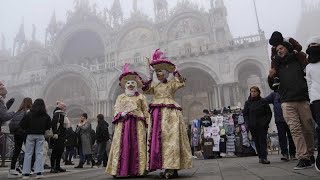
[(81, 58)]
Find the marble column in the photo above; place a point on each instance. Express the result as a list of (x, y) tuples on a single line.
[(216, 100)]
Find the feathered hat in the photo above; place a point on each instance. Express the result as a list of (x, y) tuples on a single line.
[(128, 75), (161, 62)]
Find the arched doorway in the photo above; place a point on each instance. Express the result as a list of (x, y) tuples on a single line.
[(249, 73), (83, 48), (71, 89), (198, 94)]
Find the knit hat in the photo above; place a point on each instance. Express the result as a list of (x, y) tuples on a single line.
[(276, 39), (128, 75), (159, 62)]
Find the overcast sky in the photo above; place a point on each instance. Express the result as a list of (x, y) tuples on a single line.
[(282, 15)]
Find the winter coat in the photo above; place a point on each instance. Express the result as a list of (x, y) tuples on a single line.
[(70, 137), (293, 85), (102, 131), (313, 80), (85, 138), (257, 113), (15, 123), (4, 114), (274, 98), (58, 122), (35, 123)]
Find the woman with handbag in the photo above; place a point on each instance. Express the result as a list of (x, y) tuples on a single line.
[(18, 134)]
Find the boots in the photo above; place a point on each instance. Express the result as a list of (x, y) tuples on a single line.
[(80, 165), (93, 163)]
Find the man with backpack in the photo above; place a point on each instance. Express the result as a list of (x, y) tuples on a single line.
[(102, 136)]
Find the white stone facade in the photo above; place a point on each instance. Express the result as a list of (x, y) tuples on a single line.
[(80, 61)]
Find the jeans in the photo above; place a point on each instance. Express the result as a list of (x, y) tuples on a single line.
[(102, 153), (285, 137), (33, 141)]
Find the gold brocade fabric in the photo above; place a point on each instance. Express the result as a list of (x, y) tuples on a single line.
[(138, 103), (164, 92), (176, 151), (141, 111)]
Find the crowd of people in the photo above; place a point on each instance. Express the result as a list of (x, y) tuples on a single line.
[(152, 137), (35, 132)]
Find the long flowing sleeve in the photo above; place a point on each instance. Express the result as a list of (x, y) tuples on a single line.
[(308, 78), (177, 84), (145, 108)]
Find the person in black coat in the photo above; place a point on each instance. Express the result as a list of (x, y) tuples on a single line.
[(257, 115), (70, 145), (59, 130), (18, 134), (102, 136)]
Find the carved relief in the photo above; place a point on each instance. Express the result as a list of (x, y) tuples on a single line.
[(137, 38), (185, 27)]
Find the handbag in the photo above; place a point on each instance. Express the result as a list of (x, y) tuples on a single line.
[(48, 133)]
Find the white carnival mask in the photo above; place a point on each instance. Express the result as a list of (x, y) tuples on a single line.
[(131, 83)]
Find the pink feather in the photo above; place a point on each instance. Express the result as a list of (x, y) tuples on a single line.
[(125, 68)]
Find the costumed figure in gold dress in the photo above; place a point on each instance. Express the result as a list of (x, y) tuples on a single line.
[(168, 143), (128, 153)]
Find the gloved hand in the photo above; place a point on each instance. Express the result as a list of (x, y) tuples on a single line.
[(123, 114), (55, 136), (10, 102)]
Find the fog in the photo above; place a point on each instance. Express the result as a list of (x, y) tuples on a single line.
[(218, 48), (282, 15)]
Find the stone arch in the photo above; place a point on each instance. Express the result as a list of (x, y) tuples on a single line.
[(249, 73), (72, 72), (200, 88), (183, 21), (241, 63), (133, 31), (197, 63), (67, 32)]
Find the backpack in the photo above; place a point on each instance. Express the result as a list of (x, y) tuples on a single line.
[(14, 124)]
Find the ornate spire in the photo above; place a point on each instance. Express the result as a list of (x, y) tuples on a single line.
[(19, 40), (219, 4), (160, 10), (3, 42), (116, 13), (52, 27), (135, 6), (21, 37)]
